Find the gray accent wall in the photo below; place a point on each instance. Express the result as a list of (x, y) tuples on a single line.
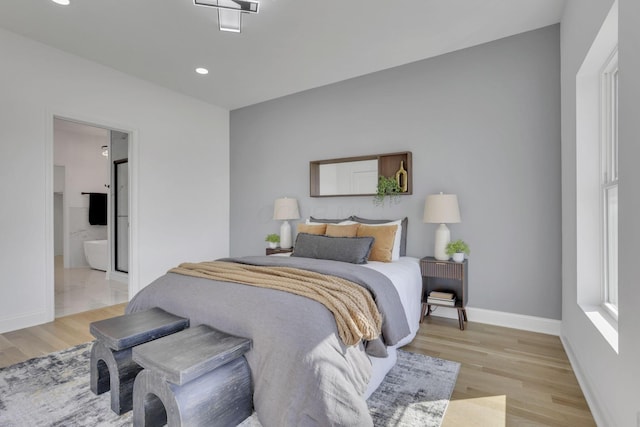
[(483, 123)]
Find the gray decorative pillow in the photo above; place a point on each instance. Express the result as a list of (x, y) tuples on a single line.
[(403, 235), (327, 221), (346, 249)]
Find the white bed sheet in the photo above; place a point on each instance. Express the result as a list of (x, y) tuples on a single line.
[(406, 277)]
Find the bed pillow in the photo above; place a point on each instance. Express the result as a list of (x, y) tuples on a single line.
[(384, 236), (395, 254), (325, 221), (342, 230), (403, 231), (312, 228), (354, 250)]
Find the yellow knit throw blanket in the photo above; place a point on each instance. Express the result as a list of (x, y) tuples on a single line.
[(356, 314)]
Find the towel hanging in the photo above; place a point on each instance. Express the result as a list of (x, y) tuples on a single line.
[(97, 208)]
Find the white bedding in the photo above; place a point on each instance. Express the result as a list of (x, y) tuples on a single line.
[(405, 275)]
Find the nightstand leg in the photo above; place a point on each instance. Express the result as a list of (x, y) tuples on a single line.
[(461, 317), (423, 311)]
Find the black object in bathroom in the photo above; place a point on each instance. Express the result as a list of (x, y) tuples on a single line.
[(97, 209)]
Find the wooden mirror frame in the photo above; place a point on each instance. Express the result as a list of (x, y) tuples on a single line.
[(388, 165)]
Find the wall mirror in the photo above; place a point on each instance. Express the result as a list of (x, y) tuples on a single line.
[(357, 176)]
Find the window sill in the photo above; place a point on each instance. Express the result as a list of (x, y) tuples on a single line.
[(604, 323)]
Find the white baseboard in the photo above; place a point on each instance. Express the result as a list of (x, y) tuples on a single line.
[(600, 416), (508, 320), (23, 321)]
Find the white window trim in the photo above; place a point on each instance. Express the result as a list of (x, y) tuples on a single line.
[(609, 170), (588, 180)]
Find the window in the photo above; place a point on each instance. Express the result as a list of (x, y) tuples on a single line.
[(597, 181), (609, 183)]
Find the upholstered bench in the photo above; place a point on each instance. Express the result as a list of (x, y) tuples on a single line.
[(112, 367), (197, 377)]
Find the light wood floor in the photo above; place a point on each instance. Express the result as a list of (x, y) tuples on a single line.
[(62, 333), (508, 377)]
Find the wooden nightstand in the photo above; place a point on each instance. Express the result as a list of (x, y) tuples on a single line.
[(445, 276), (272, 251)]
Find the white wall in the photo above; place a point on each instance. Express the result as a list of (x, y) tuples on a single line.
[(609, 379), (179, 165)]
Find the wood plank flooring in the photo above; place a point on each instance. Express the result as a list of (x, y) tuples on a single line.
[(64, 332), (508, 377)]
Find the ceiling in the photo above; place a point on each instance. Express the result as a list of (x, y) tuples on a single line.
[(290, 46)]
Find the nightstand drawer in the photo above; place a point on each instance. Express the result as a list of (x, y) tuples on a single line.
[(445, 270)]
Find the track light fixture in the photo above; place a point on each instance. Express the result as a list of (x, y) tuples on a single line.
[(230, 12)]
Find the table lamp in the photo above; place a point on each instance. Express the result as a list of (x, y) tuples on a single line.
[(285, 209), (441, 209)]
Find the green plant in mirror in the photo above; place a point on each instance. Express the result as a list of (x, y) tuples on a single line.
[(387, 187), (457, 246)]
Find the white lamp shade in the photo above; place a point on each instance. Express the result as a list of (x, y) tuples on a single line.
[(284, 209), (441, 209)]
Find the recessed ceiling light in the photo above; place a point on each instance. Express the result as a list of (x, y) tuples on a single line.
[(62, 2), (202, 71)]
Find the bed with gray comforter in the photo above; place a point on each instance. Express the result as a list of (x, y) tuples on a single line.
[(302, 373)]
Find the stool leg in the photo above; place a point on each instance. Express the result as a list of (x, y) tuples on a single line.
[(99, 371), (122, 372), (149, 409)]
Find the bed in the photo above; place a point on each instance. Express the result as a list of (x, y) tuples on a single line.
[(303, 374)]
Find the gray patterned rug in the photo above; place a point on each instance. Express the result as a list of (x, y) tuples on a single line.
[(53, 390)]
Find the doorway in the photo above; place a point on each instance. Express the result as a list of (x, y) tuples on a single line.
[(85, 217)]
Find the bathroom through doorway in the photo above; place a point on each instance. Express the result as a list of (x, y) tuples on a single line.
[(91, 216)]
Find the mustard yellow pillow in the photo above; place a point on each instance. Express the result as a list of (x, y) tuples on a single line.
[(312, 229), (384, 236), (336, 230)]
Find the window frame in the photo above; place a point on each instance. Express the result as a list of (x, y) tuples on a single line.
[(609, 180)]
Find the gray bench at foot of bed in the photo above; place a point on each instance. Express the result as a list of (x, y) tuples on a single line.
[(112, 367), (197, 377)]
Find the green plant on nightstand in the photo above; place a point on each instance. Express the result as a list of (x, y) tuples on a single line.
[(457, 249), (386, 187), (273, 240)]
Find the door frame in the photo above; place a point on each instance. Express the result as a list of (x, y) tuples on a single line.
[(133, 157)]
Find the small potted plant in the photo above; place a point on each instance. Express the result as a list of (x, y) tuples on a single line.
[(457, 249), (273, 240), (386, 187)]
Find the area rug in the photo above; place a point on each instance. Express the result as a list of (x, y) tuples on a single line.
[(53, 390)]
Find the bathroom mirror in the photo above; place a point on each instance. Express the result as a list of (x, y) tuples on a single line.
[(356, 176)]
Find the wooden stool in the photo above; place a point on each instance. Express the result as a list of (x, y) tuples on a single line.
[(111, 365), (197, 377)]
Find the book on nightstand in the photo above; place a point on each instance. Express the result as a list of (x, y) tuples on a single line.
[(444, 298), (441, 295)]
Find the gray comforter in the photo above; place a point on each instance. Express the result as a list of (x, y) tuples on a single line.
[(302, 373)]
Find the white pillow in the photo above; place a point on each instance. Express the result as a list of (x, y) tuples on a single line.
[(395, 253), (347, 222)]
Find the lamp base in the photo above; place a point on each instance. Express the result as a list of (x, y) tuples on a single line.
[(285, 235), (443, 237)]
